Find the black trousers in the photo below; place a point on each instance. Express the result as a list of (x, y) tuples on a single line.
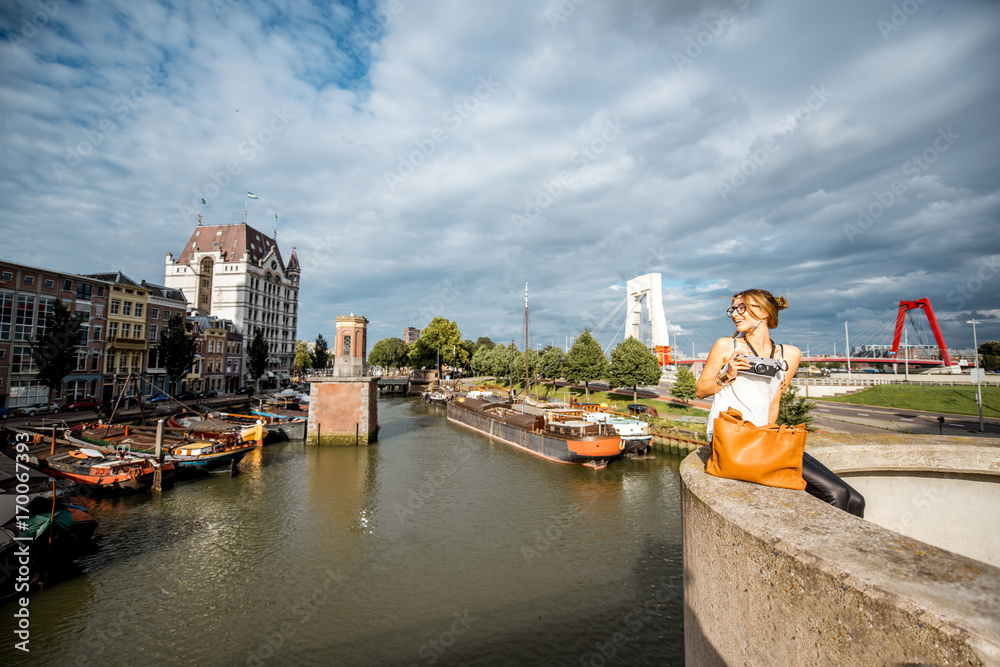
[(825, 485)]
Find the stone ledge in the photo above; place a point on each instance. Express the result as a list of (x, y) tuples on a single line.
[(810, 583)]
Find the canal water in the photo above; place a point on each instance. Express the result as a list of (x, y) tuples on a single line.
[(435, 546)]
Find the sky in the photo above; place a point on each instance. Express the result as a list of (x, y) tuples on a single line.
[(429, 158)]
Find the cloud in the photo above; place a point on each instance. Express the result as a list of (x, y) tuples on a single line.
[(586, 158)]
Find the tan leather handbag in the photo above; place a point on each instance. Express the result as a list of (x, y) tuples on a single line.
[(769, 455)]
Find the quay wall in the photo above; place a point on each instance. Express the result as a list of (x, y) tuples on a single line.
[(777, 576)]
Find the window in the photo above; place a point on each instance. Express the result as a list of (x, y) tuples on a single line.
[(45, 311), (95, 361), (138, 310), (96, 332), (25, 317), (166, 315), (6, 314), (153, 329), (115, 306), (3, 353), (138, 331), (29, 280), (100, 290), (83, 291), (154, 313), (109, 366), (81, 360), (7, 276), (127, 309), (50, 284), (112, 330), (21, 361), (126, 330), (67, 285)]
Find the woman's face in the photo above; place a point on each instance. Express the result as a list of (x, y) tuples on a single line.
[(748, 318)]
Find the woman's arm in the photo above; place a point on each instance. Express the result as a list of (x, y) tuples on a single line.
[(792, 355), (721, 354)]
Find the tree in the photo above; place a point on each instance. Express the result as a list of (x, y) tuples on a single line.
[(794, 409), (552, 364), (53, 348), (586, 362), (257, 352), (442, 340), (684, 384), (633, 364), (481, 361), (388, 353), (321, 357), (991, 355), (303, 357), (177, 350)]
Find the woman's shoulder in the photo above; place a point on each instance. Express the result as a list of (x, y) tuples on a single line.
[(790, 351)]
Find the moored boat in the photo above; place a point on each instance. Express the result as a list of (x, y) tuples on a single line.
[(183, 448), (549, 435), (283, 418), (101, 474)]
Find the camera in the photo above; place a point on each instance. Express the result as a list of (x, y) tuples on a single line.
[(765, 366)]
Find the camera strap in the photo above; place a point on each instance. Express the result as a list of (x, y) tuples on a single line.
[(783, 365)]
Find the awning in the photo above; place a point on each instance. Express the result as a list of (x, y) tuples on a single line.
[(285, 376), (270, 374)]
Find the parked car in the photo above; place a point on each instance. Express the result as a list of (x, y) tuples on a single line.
[(186, 396), (245, 390), (4, 412), (83, 404), (159, 398), (37, 409), (211, 393)]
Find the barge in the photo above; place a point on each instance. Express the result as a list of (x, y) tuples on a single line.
[(546, 435)]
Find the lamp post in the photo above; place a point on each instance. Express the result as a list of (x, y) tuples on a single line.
[(979, 373)]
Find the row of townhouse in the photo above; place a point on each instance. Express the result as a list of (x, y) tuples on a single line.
[(118, 348)]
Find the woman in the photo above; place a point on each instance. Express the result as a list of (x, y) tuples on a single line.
[(730, 379)]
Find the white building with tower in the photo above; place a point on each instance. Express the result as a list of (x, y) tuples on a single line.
[(237, 273)]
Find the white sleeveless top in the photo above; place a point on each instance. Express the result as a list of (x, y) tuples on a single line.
[(749, 393)]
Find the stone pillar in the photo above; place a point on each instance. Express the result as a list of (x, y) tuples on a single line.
[(343, 409)]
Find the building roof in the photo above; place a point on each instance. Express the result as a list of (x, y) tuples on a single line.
[(167, 293), (293, 261), (233, 241), (116, 277)]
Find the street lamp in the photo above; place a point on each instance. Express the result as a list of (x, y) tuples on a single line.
[(979, 374)]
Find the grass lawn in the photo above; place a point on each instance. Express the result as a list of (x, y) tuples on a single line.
[(955, 400)]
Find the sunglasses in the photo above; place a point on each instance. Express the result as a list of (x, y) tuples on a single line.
[(739, 310)]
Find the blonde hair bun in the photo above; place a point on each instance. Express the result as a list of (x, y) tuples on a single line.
[(782, 302)]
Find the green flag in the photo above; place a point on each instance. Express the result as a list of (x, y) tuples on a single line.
[(251, 195)]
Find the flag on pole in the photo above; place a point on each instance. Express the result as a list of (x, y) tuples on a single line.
[(203, 202), (251, 195)]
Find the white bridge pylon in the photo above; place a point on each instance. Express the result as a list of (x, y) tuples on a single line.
[(644, 318)]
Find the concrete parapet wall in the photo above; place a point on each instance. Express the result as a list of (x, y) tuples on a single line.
[(774, 576)]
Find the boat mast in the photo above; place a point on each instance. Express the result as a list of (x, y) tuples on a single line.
[(527, 375)]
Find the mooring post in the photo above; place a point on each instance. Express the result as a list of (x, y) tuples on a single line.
[(158, 473), (357, 430)]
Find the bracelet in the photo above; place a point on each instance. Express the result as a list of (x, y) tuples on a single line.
[(723, 379)]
